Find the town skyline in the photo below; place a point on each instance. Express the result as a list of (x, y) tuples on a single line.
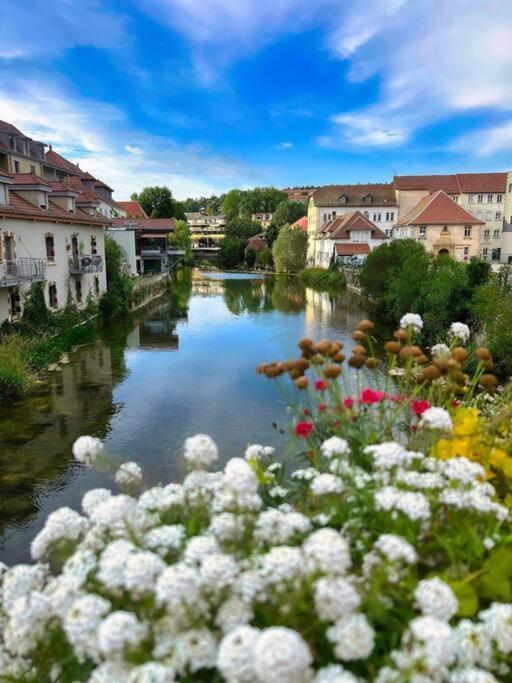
[(164, 93)]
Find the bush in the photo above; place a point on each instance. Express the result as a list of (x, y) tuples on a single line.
[(322, 279), (117, 300), (492, 306), (16, 376), (289, 250), (264, 259)]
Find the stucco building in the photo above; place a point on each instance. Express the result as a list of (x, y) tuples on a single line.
[(341, 238)]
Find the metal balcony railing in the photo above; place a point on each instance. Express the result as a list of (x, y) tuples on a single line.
[(85, 263), (21, 270), (151, 252)]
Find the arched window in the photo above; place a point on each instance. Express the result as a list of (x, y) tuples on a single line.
[(50, 247)]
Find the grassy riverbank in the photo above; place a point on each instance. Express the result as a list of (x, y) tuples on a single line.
[(322, 279)]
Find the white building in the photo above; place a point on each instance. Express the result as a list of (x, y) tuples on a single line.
[(483, 195), (349, 235), (375, 201), (125, 237), (46, 235)]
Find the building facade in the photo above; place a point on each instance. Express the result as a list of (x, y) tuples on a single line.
[(442, 226), (375, 201), (45, 236), (344, 237), (483, 195), (151, 241), (206, 231)]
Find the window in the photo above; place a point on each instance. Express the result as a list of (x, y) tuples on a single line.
[(94, 247), (50, 248), (367, 199), (487, 234), (333, 215), (496, 254), (3, 194), (343, 198), (366, 214), (480, 198), (496, 234), (32, 168), (9, 248), (499, 197), (42, 200), (455, 198), (376, 216), (467, 231), (466, 251), (498, 216), (423, 230), (390, 215), (471, 199), (52, 295), (96, 285), (489, 198), (485, 251), (16, 167), (11, 142), (78, 291)]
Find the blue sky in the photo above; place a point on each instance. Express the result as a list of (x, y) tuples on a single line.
[(205, 95)]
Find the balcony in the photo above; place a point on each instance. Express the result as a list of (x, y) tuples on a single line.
[(151, 252), (22, 270), (79, 264)]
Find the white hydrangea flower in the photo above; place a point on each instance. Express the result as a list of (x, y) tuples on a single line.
[(334, 673), (81, 624), (86, 449), (115, 514), (19, 581), (435, 598), (198, 648), (282, 656), (325, 484), (129, 474), (416, 506), (27, 624), (396, 549), (163, 539), (177, 585), (472, 644), (327, 550), (472, 675), (256, 452), (282, 563), (112, 564), (199, 547), (411, 320), (111, 672), (498, 624), (240, 476), (141, 572), (276, 527), (227, 527), (118, 632), (352, 637), (235, 658), (62, 525), (335, 598), (432, 642), (93, 498), (441, 352), (200, 451), (232, 613), (436, 418), (218, 571), (334, 446), (460, 332), (152, 672), (463, 470), (162, 498), (389, 454)]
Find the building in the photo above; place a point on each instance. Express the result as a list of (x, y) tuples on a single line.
[(47, 236), (206, 232), (301, 224), (132, 209), (483, 195), (257, 242), (376, 201), (151, 241), (299, 194), (125, 238), (346, 236), (442, 226), (263, 218)]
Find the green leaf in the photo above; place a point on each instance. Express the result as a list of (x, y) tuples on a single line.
[(466, 595), (495, 583)]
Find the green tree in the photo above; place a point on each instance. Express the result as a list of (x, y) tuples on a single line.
[(246, 202), (242, 227), (264, 258), (232, 203), (479, 272), (250, 257), (271, 233), (231, 251), (492, 307), (158, 202), (289, 250), (288, 212), (180, 239), (117, 299)]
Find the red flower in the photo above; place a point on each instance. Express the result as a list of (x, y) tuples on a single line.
[(370, 396), (306, 411), (322, 407), (419, 407), (303, 429), (395, 398), (455, 403), (320, 385), (348, 402), (414, 427)]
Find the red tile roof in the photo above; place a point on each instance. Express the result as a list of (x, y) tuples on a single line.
[(28, 179), (439, 209), (454, 183), (133, 209), (19, 207), (339, 228), (51, 157), (381, 194), (302, 224), (351, 248)]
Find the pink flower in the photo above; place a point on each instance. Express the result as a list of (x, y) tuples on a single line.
[(303, 429), (395, 398), (419, 407), (370, 396), (348, 402), (320, 385), (322, 407)]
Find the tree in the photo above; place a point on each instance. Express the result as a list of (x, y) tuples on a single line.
[(180, 239), (158, 202), (242, 227), (264, 258), (250, 257), (246, 202), (479, 272), (231, 251), (288, 212), (232, 203), (289, 250), (117, 299)]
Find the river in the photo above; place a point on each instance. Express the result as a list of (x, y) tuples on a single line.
[(184, 365)]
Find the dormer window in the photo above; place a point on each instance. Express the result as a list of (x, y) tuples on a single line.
[(343, 199), (3, 194), (43, 204), (367, 199), (12, 144)]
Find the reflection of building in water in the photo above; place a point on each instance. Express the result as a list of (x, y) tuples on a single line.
[(207, 286), (319, 306), (37, 432), (157, 329), (342, 312)]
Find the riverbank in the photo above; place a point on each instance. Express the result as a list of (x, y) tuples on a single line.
[(323, 280)]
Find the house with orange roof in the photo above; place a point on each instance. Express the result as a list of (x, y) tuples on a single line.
[(132, 209), (301, 224), (346, 236), (442, 226), (48, 235)]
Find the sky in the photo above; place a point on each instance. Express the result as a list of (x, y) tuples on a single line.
[(206, 95)]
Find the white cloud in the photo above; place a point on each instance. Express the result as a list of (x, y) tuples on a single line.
[(486, 141), (41, 28), (284, 145), (94, 135)]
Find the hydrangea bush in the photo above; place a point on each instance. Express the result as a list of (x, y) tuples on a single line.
[(367, 558)]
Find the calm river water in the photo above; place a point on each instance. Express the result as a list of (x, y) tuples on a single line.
[(186, 365)]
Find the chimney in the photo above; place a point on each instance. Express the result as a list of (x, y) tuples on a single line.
[(50, 148)]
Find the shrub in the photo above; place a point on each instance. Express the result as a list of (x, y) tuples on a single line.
[(117, 300), (289, 250), (320, 278), (16, 376)]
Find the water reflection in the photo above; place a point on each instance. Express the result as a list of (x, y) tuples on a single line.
[(184, 364)]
